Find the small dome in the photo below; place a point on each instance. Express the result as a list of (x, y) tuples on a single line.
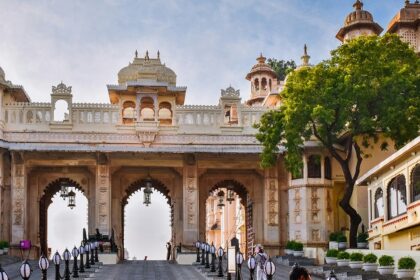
[(260, 67), (359, 15), (147, 69)]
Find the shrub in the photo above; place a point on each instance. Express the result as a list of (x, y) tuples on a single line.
[(356, 257), (362, 237), (290, 245), (332, 253), (342, 238), (333, 236), (386, 261), (297, 246), (1, 245), (343, 255), (370, 258), (6, 244), (406, 263)]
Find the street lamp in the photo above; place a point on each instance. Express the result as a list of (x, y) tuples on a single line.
[(96, 251), (25, 270), (239, 261), (251, 266), (197, 245), (3, 274), (72, 199), (203, 252), (87, 249), (207, 255), (220, 254), (64, 189), (43, 264), (81, 266), (270, 269), (92, 253), (147, 192), (57, 261), (221, 196), (75, 254), (66, 257), (332, 276), (213, 258)]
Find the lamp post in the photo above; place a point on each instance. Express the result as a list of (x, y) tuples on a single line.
[(3, 274), (43, 264), (57, 261), (332, 276), (81, 266), (220, 253), (203, 251), (25, 270), (66, 257), (87, 249), (213, 258), (251, 266), (207, 255), (270, 269), (197, 245), (92, 253), (239, 261), (75, 254), (96, 251)]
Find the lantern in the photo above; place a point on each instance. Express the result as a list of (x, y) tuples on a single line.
[(147, 193), (72, 199), (239, 258), (251, 263), (230, 196), (270, 269), (221, 196), (56, 258), (220, 252), (75, 252), (3, 274), (64, 189), (25, 270)]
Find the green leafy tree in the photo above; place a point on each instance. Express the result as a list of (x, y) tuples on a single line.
[(281, 67), (369, 87)]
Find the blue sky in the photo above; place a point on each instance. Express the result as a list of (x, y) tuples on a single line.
[(209, 44)]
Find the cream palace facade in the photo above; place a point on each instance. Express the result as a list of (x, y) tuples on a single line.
[(190, 152)]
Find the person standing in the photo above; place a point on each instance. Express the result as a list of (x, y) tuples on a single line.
[(168, 249), (260, 258)]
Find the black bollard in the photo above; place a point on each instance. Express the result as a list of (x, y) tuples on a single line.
[(96, 251), (197, 245), (207, 256), (87, 249), (92, 255), (67, 257), (75, 254), (57, 261), (25, 270), (203, 255), (81, 266), (213, 261), (43, 264), (220, 252)]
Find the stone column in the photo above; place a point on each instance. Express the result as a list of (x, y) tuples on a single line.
[(190, 201), (18, 196), (271, 207), (103, 196)]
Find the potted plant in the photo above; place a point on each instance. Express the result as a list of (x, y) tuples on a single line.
[(342, 241), (356, 260), (289, 247), (331, 257), (333, 241), (343, 258), (369, 262), (406, 267), (386, 265), (362, 242), (298, 249)]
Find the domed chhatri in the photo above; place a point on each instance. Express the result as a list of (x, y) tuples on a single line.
[(260, 68), (147, 69), (359, 22)]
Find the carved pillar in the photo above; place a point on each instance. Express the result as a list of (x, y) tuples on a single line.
[(18, 195), (103, 196), (271, 207), (190, 201)]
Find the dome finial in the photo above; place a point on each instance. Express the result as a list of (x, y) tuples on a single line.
[(261, 59), (147, 55), (358, 5), (305, 58), (136, 54), (158, 54)]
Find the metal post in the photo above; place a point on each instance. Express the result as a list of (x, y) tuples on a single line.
[(81, 266), (251, 273), (87, 265), (57, 272), (220, 268), (44, 274), (213, 260), (238, 272), (75, 268), (203, 258), (66, 271), (96, 254), (198, 256), (207, 260), (269, 277), (92, 257)]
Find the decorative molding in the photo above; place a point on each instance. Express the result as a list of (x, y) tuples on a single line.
[(230, 92), (61, 89)]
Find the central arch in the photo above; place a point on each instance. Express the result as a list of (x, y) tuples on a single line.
[(45, 201), (138, 186)]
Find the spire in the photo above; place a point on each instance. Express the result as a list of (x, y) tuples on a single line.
[(136, 54), (358, 5), (147, 55), (305, 58), (261, 59), (158, 54)]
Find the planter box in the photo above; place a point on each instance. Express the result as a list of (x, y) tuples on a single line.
[(362, 245), (298, 253), (355, 264), (342, 262), (386, 270), (406, 273), (333, 245), (330, 260), (370, 266), (342, 245), (288, 252)]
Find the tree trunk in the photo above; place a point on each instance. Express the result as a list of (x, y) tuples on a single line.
[(355, 218)]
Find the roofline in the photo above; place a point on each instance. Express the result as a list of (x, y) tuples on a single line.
[(345, 29)]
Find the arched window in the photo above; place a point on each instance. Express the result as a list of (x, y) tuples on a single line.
[(264, 83), (314, 166), (415, 182), (165, 113), (257, 84), (397, 198), (129, 112), (147, 111), (61, 111), (327, 168), (379, 203)]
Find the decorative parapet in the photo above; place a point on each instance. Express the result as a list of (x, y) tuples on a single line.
[(95, 106), (61, 89), (230, 92), (28, 105), (197, 107)]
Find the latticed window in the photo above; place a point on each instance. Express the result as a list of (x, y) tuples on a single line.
[(410, 37), (379, 203), (415, 182), (397, 197), (314, 166)]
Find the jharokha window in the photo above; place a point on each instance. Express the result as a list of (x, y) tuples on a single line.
[(314, 166), (415, 182), (397, 197), (379, 203)]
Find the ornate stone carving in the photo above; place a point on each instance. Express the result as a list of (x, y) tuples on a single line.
[(230, 92), (191, 201), (272, 203), (61, 89), (316, 236)]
